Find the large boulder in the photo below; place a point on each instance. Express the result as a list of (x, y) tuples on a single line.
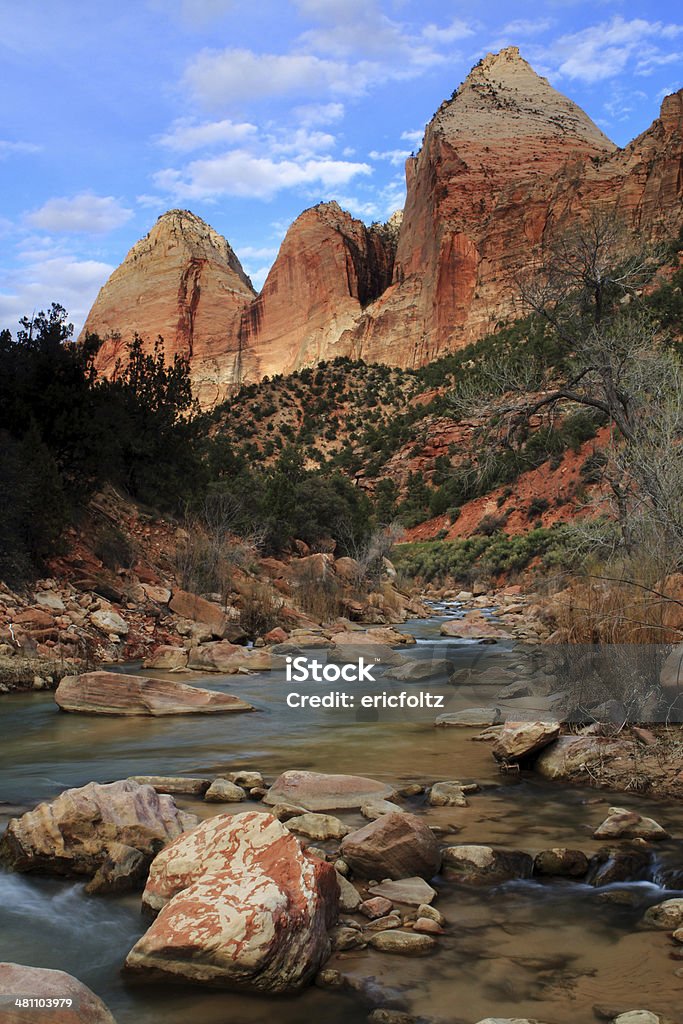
[(191, 606), (482, 865), (316, 791), (18, 980), (518, 741), (113, 693), (393, 846), (112, 832), (241, 905)]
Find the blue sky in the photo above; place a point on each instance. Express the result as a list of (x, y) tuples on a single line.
[(247, 113)]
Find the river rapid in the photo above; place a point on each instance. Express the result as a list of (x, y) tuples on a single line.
[(550, 951)]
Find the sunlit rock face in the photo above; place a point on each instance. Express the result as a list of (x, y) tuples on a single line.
[(505, 164)]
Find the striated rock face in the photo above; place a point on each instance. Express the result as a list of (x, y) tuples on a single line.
[(506, 162), (479, 197), (329, 268), (184, 283)]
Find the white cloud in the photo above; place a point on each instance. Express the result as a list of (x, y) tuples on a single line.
[(649, 61), (313, 114), (64, 278), (254, 252), (259, 276), (8, 147), (397, 157), (301, 142), (527, 27), (84, 212), (219, 79), (603, 51), (458, 29), (415, 137), (363, 208), (240, 173), (667, 90), (184, 135)]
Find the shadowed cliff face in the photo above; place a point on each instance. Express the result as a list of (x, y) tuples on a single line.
[(505, 162), (330, 266)]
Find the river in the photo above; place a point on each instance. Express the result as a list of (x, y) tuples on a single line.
[(549, 950)]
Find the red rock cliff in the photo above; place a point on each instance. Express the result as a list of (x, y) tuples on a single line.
[(504, 161), (184, 283)]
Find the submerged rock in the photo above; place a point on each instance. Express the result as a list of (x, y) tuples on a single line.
[(561, 863), (403, 943), (447, 794), (113, 693), (19, 980), (95, 829), (482, 865), (241, 906)]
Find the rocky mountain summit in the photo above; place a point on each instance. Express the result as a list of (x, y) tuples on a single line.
[(506, 163)]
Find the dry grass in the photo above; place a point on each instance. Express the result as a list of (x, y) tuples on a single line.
[(607, 609), (319, 595), (259, 609)]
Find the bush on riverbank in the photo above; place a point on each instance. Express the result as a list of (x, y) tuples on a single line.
[(470, 557)]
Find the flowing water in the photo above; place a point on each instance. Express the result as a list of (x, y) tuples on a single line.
[(549, 951)]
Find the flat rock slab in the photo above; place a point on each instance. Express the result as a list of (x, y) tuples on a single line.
[(316, 791), (113, 693), (474, 717), (173, 784), (403, 943), (414, 891), (19, 980)]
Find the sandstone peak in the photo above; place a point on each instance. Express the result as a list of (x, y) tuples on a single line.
[(181, 282), (504, 97), (188, 231)]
